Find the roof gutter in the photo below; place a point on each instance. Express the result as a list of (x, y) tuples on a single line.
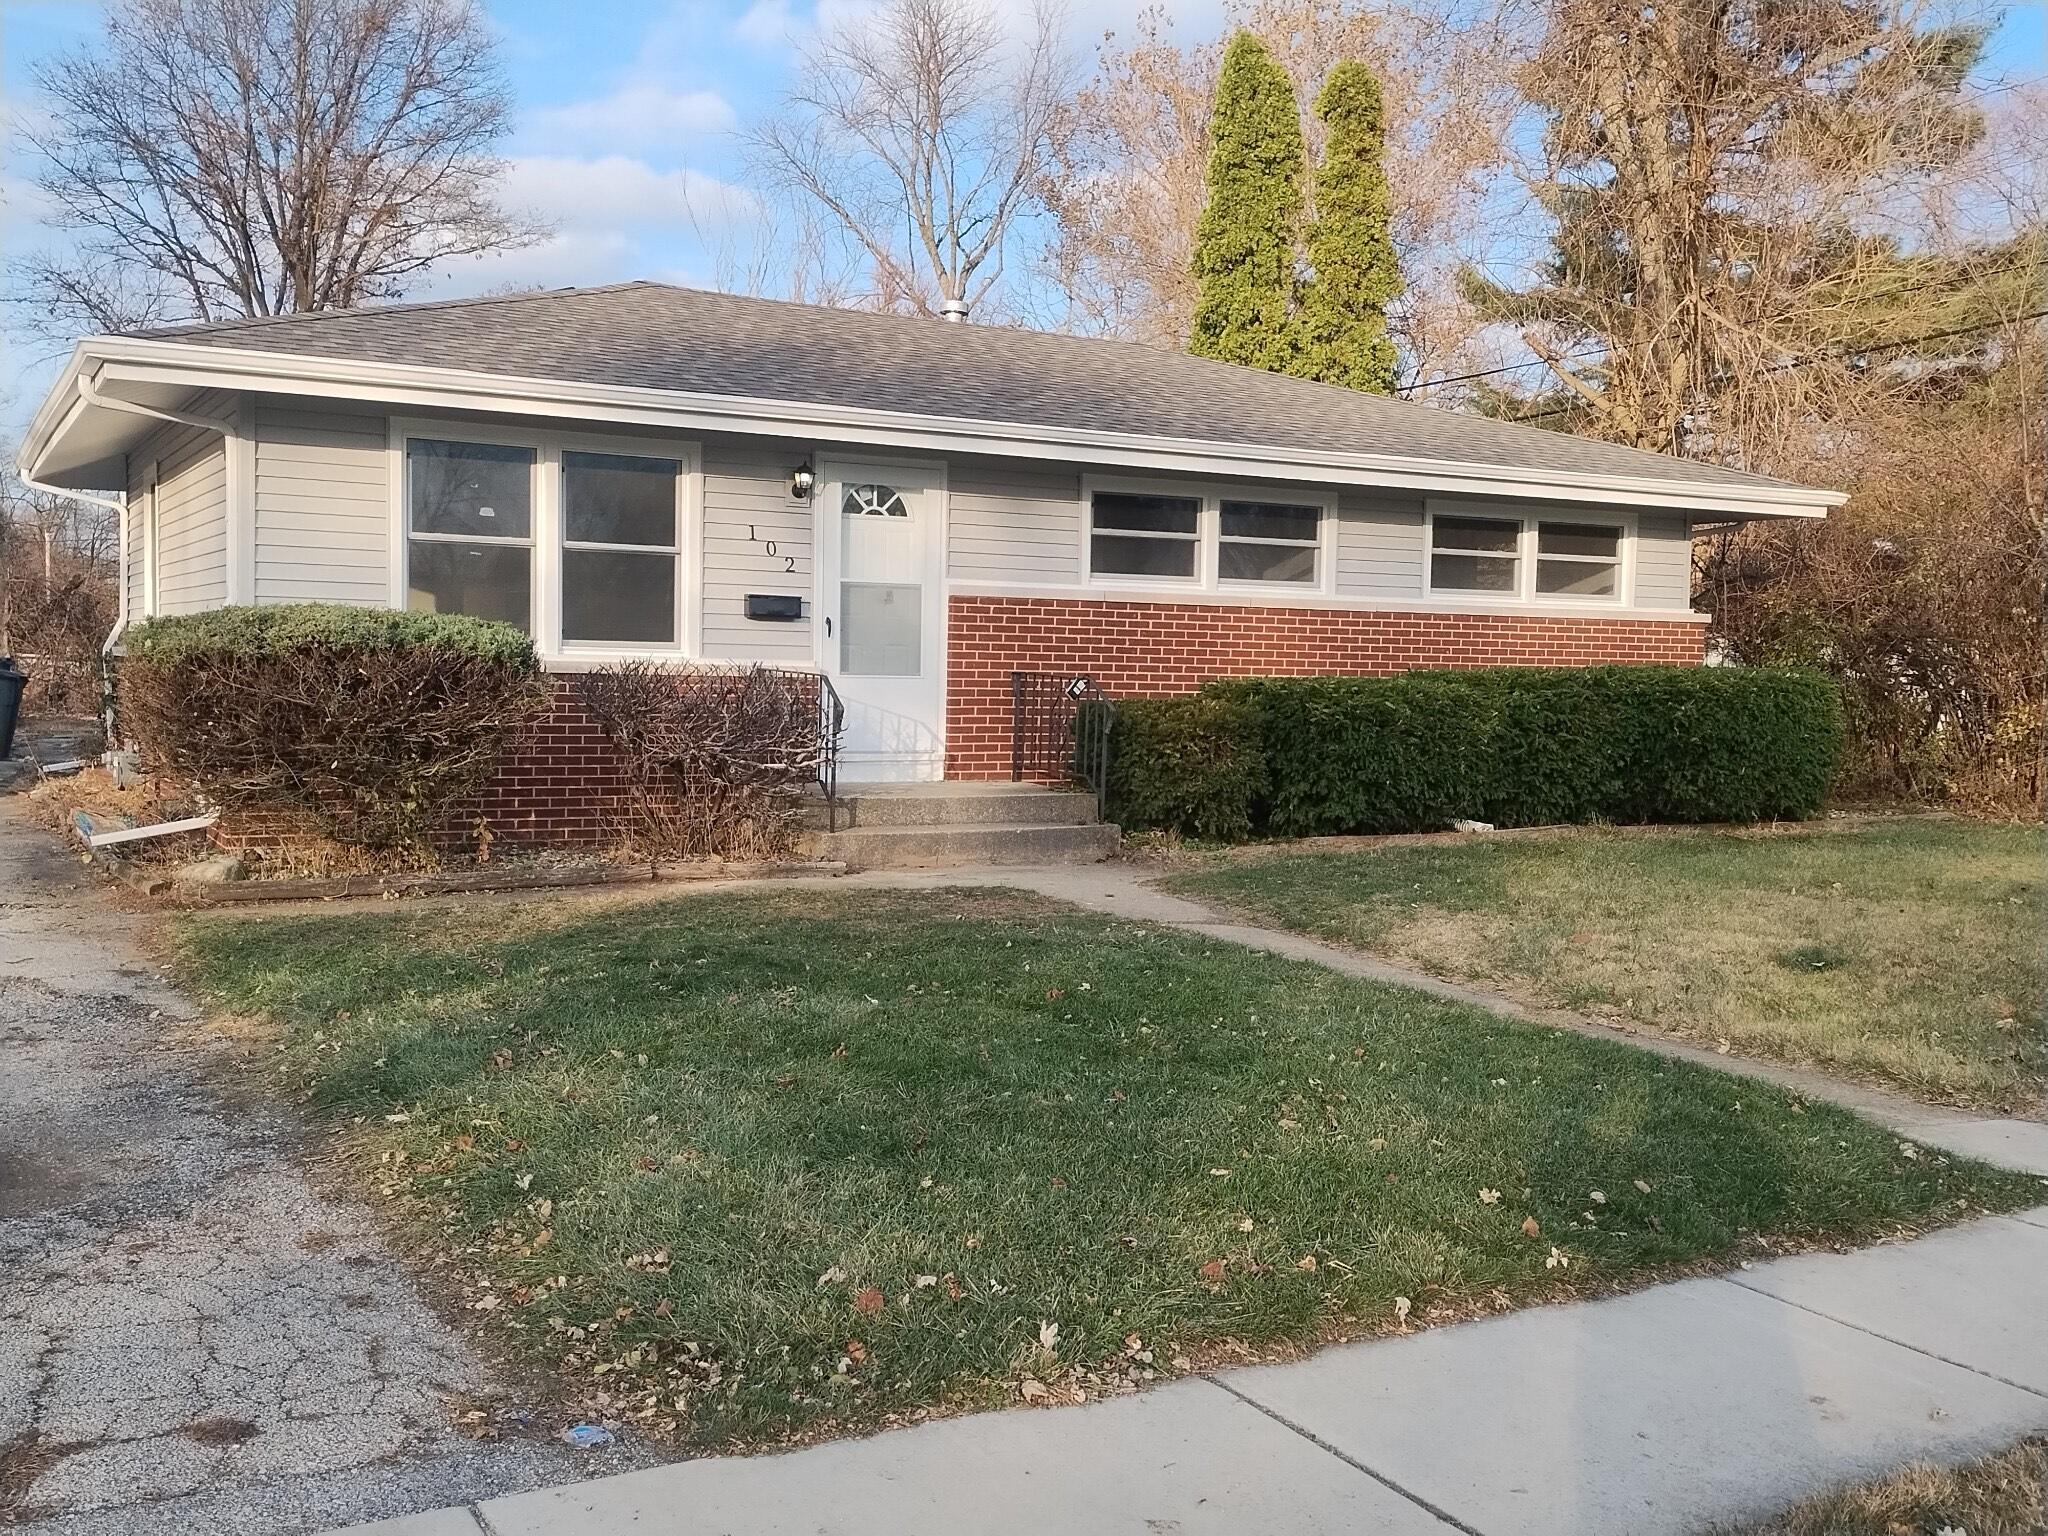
[(199, 367)]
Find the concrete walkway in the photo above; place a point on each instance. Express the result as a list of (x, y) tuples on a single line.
[(1666, 1412)]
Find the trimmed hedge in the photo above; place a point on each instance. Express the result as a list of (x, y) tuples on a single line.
[(1195, 765), (1515, 746), (371, 725), (273, 629)]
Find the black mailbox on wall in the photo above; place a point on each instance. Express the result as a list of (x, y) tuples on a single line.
[(774, 605)]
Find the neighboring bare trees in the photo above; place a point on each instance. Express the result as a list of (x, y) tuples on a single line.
[(1726, 186), (213, 159), (57, 604), (922, 130), (1132, 147)]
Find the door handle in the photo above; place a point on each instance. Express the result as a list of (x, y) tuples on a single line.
[(828, 626)]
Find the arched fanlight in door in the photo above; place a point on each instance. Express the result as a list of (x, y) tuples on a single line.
[(873, 501)]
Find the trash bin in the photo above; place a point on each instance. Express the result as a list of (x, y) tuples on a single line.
[(12, 681)]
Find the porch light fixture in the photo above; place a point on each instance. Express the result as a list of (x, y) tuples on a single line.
[(802, 481)]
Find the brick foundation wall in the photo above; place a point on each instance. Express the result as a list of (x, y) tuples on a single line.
[(563, 787), (1155, 648)]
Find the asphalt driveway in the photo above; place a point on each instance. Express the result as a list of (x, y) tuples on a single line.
[(193, 1335)]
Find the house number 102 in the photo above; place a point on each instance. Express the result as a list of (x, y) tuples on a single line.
[(788, 561)]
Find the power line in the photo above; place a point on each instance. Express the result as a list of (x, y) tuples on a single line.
[(1808, 362)]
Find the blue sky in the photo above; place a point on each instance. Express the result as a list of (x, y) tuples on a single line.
[(626, 118)]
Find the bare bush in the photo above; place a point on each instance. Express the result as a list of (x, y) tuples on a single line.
[(719, 759)]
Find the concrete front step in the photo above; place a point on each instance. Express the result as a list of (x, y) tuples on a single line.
[(957, 805), (915, 847)]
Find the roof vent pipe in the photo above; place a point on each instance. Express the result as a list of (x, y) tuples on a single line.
[(953, 309)]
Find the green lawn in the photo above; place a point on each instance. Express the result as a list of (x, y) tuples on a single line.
[(1907, 952), (754, 1165)]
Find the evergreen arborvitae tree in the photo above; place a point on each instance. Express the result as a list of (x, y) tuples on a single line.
[(1244, 256), (1341, 319)]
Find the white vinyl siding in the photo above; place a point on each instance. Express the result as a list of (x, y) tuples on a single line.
[(191, 515), (1379, 545), (134, 551), (748, 510), (1663, 561), (323, 505), (1013, 523)]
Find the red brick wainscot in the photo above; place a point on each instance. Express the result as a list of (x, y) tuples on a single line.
[(564, 787), (1137, 649)]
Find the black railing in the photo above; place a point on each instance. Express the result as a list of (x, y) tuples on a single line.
[(831, 726), (1059, 731)]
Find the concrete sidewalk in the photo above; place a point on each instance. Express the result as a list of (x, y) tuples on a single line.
[(1647, 1415)]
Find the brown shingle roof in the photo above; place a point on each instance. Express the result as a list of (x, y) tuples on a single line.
[(656, 336)]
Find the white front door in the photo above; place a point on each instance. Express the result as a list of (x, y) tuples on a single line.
[(881, 618)]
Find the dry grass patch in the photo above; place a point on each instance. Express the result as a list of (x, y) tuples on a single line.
[(2002, 1495), (1908, 952)]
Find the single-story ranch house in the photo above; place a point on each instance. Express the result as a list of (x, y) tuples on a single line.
[(915, 508)]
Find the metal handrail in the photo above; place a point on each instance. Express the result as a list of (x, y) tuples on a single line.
[(1060, 727), (831, 725)]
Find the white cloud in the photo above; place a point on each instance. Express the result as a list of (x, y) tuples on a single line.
[(638, 115), (571, 259), (766, 24), (619, 193)]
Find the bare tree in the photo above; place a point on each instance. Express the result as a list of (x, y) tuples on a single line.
[(1732, 192), (1131, 147), (215, 159), (922, 131)]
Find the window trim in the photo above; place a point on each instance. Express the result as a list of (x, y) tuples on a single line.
[(1528, 520), (1209, 496), (674, 551), (548, 526)]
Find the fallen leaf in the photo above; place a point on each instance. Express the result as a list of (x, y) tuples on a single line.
[(833, 1276), (1402, 1307), (1377, 1144), (856, 1351), (1048, 1336), (925, 1282), (1598, 1197), (868, 1300), (1245, 1224), (953, 1289), (1212, 1272), (1489, 1197), (1033, 1391), (1532, 1226), (1557, 1260), (1306, 1262), (1642, 1185)]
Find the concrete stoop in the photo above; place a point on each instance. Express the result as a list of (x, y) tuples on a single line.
[(924, 826)]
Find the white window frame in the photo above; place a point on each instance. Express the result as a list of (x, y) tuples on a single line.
[(548, 527), (1527, 520), (460, 434), (674, 550), (1209, 496)]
